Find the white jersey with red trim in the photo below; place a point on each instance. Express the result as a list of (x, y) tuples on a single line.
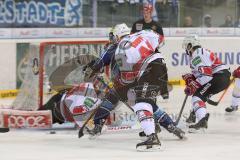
[(204, 64), (78, 101), (134, 51)]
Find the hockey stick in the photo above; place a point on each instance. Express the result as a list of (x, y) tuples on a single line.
[(80, 132), (111, 89), (181, 111), (209, 101)]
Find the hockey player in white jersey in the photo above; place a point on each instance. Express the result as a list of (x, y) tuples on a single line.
[(136, 72), (75, 104), (208, 76), (236, 92)]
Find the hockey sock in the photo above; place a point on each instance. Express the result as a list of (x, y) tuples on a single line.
[(148, 126), (163, 118), (200, 113), (103, 112)]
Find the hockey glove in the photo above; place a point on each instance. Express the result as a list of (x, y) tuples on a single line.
[(188, 78), (90, 64), (236, 73), (192, 87)]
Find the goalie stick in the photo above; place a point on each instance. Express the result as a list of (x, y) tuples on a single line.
[(215, 103)]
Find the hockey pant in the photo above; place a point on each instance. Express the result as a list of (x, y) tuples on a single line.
[(219, 82)]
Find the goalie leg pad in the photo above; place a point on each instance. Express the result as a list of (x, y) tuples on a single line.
[(145, 116)]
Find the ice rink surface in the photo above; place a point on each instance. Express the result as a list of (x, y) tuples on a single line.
[(220, 142)]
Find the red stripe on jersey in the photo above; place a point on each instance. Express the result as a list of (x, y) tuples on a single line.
[(128, 76), (80, 110), (149, 45), (137, 41), (205, 70), (144, 52), (67, 114), (161, 39), (212, 56), (215, 59)]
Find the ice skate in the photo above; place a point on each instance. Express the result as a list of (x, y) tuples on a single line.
[(95, 132), (152, 143), (157, 130), (176, 131), (191, 118), (202, 124), (231, 109)]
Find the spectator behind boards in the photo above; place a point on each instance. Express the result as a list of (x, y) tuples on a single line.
[(207, 21), (228, 21), (147, 22)]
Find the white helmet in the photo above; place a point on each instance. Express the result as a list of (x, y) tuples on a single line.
[(121, 30), (190, 41)]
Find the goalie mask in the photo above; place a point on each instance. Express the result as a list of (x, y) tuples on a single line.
[(189, 42)]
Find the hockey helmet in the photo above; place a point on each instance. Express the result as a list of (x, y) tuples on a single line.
[(111, 36), (190, 41), (121, 30)]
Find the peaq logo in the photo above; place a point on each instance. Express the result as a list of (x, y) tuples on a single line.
[(27, 121)]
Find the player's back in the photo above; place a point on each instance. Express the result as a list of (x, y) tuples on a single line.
[(138, 46), (148, 37)]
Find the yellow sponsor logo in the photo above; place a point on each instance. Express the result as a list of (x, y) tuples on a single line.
[(176, 82), (8, 93)]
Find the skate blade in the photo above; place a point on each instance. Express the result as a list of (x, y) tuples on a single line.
[(93, 137), (147, 149), (183, 137), (193, 130)]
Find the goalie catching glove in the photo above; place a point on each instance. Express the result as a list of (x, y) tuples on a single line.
[(88, 71), (191, 84)]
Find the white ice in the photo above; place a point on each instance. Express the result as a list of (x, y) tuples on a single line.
[(220, 142)]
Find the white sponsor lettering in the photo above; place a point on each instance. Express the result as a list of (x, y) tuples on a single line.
[(26, 121)]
